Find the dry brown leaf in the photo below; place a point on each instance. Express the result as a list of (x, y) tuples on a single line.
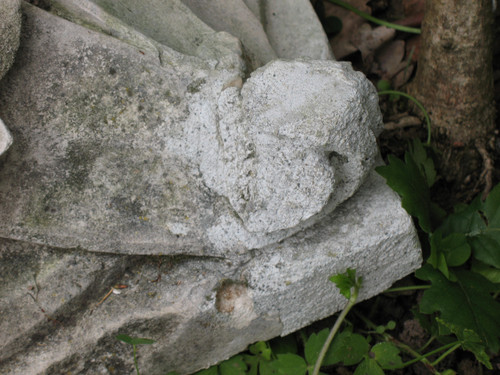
[(368, 40), (342, 44), (389, 58)]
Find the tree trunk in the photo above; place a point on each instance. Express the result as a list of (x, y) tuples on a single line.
[(454, 82)]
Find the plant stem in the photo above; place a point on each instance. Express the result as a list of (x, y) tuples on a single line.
[(135, 361), (419, 358), (399, 344), (407, 288), (370, 18), (335, 328), (446, 353), (417, 103), (430, 341)]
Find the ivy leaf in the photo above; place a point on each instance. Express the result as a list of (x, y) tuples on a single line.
[(407, 180), (466, 303), (346, 281), (368, 367), (387, 355), (233, 366), (470, 341), (314, 344), (348, 348)]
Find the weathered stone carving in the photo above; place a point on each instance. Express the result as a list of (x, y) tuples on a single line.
[(149, 152), (221, 185)]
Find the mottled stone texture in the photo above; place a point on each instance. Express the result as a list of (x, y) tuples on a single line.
[(10, 29), (158, 150)]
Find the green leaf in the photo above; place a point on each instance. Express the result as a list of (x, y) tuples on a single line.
[(261, 349), (134, 340), (348, 348), (387, 355), (486, 247), (470, 341), (390, 325), (465, 219), (491, 273), (314, 344), (425, 163), (451, 251), (483, 232), (253, 363), (233, 366), (289, 364), (368, 367), (466, 303), (209, 371), (407, 180), (346, 281)]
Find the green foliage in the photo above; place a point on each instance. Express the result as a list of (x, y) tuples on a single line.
[(348, 348), (463, 268), (387, 355), (465, 303), (346, 282), (412, 179)]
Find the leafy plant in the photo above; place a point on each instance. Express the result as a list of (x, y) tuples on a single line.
[(134, 341), (463, 267)]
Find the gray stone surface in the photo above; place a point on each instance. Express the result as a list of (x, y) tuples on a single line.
[(147, 156), (142, 156), (10, 29), (199, 310)]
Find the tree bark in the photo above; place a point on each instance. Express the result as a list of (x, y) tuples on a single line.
[(454, 82)]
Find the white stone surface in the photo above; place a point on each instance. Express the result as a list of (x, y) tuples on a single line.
[(5, 138)]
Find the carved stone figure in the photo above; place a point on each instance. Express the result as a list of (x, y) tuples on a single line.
[(207, 161)]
